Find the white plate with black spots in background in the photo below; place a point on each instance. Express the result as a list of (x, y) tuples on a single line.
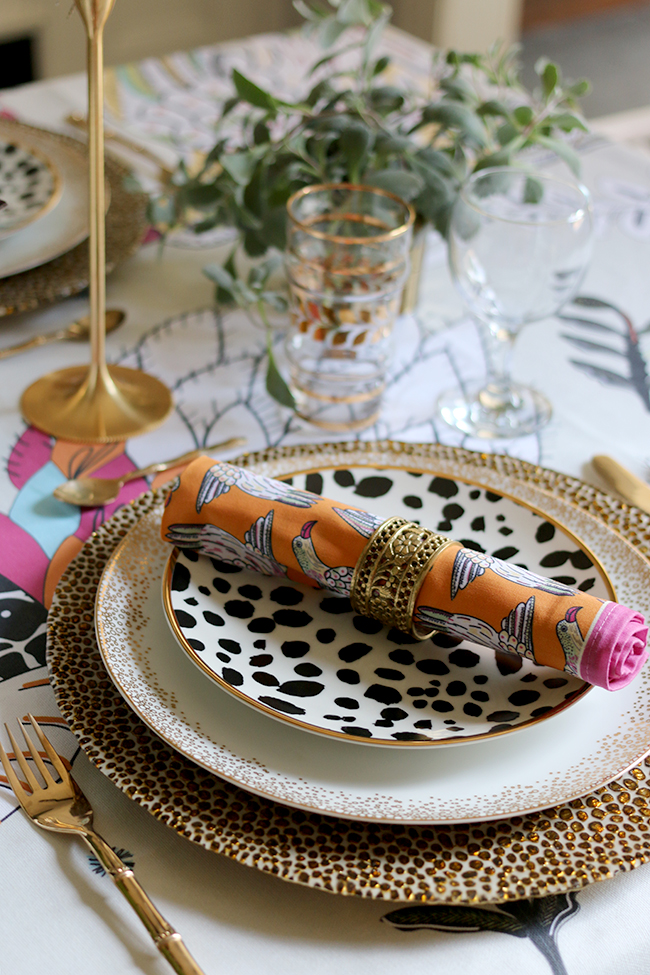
[(30, 186), (303, 656)]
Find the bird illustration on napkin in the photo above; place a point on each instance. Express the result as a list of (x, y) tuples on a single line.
[(470, 565), (336, 578), (515, 635), (255, 552), (221, 477)]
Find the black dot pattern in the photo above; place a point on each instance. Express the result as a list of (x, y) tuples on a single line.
[(324, 665)]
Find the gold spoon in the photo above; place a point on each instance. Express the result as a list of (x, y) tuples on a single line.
[(76, 331), (91, 492)]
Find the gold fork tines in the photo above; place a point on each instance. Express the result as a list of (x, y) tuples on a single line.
[(62, 807)]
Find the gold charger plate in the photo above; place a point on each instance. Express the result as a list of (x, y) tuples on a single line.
[(66, 275), (559, 849)]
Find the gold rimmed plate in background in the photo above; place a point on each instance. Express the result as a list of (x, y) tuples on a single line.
[(50, 269), (30, 185)]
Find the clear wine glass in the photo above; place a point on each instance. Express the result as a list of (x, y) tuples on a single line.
[(519, 246)]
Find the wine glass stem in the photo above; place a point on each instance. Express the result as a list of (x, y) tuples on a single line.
[(498, 393)]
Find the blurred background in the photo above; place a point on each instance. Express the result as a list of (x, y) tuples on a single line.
[(607, 41)]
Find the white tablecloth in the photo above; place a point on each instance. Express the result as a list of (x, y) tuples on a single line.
[(56, 914)]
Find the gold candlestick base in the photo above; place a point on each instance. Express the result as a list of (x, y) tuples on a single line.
[(96, 406)]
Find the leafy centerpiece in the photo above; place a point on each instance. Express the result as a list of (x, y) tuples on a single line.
[(352, 126)]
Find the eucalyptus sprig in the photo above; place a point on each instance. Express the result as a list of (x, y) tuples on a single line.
[(353, 126), (254, 296)]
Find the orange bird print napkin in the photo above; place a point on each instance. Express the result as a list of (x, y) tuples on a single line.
[(234, 515)]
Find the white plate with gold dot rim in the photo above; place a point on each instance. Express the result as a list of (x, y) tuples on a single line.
[(61, 227), (551, 761)]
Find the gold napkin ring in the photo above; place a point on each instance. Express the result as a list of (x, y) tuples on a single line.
[(390, 571)]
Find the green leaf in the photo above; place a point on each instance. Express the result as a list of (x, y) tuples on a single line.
[(374, 33), (254, 243), (228, 105), (549, 75), (323, 89), (261, 133), (274, 229), (239, 165), (386, 99), (229, 263), (437, 160), (578, 89), (523, 115), (402, 183), (533, 190), (253, 196), (204, 226), (452, 115), (201, 195), (224, 292), (220, 276), (506, 133), (353, 12), (433, 178), (215, 153), (275, 383), (492, 107), (455, 58), (380, 65), (309, 13), (567, 121), (458, 89), (562, 149), (500, 158), (277, 301), (355, 144), (387, 143), (252, 93), (244, 296), (330, 32)]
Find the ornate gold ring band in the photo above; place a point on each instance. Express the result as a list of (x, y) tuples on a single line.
[(390, 571)]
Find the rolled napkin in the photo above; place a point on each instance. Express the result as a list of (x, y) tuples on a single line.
[(400, 573)]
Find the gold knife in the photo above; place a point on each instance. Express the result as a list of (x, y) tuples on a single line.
[(624, 482)]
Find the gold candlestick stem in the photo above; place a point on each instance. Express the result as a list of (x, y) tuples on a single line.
[(99, 403)]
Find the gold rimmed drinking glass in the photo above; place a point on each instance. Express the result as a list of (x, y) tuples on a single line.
[(347, 262)]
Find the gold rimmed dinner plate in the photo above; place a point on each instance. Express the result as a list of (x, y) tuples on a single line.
[(48, 260), (564, 847), (30, 185)]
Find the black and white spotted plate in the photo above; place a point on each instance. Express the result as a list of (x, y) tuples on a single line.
[(30, 185), (303, 656)]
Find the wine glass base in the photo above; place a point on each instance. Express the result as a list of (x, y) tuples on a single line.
[(463, 410)]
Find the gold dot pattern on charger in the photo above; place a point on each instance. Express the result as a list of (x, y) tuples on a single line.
[(559, 849)]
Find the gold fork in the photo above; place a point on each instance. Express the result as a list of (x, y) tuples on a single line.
[(62, 807)]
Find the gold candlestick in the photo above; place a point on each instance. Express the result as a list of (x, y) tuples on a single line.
[(99, 403)]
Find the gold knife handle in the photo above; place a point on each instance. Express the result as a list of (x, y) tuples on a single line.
[(627, 484), (168, 941)]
